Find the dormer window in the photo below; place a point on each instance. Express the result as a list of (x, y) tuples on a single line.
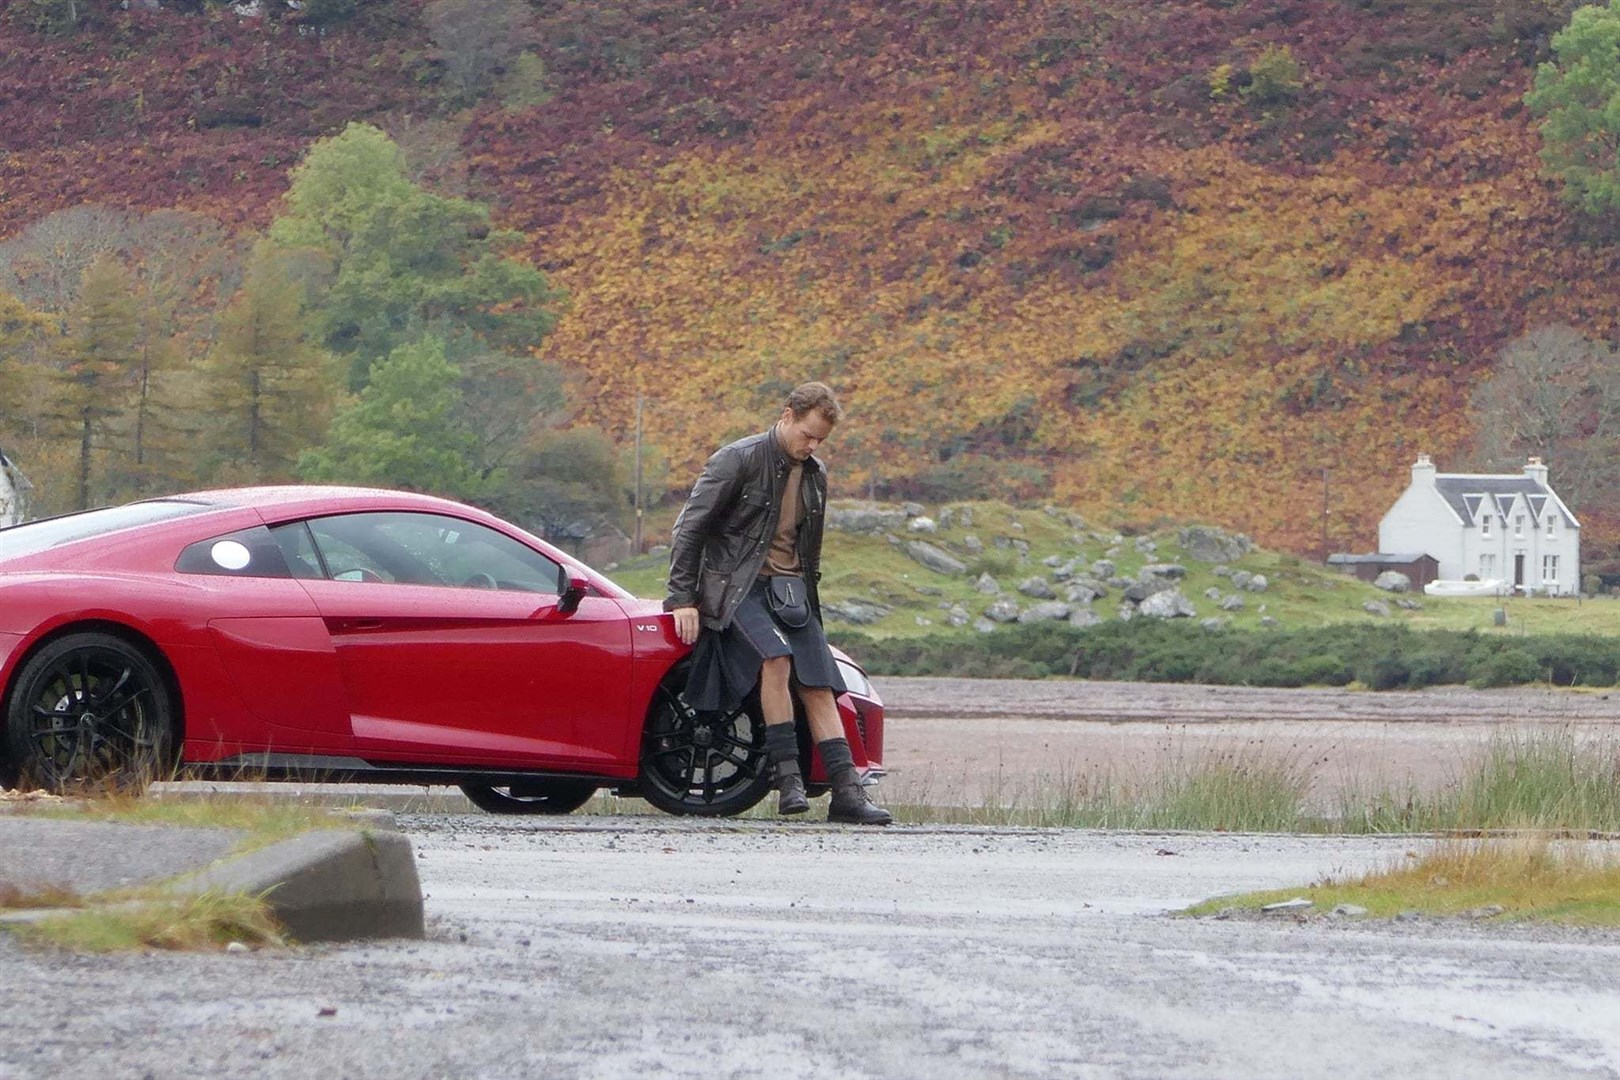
[(1485, 525)]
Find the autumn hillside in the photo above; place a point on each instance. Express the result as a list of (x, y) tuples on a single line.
[(1154, 260)]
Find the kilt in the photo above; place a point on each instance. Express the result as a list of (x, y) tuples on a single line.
[(726, 663)]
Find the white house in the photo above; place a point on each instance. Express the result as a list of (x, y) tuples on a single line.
[(1511, 528), (12, 491)]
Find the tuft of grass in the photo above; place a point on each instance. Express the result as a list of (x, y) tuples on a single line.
[(263, 820), (206, 921), (1523, 878), (15, 897), (1542, 781)]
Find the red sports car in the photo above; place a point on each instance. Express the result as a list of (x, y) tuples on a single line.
[(353, 634)]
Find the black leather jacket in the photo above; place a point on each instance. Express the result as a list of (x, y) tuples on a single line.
[(720, 541)]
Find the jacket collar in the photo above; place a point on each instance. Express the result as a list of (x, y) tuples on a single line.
[(778, 457)]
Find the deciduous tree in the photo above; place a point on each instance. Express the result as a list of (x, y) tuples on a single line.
[(98, 360), (1577, 94)]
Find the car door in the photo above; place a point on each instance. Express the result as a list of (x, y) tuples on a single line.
[(453, 646)]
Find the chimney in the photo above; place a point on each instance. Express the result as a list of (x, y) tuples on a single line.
[(1423, 472), (1536, 470)]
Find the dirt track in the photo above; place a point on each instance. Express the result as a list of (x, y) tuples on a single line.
[(964, 741)]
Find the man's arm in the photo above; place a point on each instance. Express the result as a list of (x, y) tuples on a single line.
[(711, 499)]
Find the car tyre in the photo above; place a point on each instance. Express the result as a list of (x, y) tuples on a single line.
[(706, 764), (88, 712), (531, 797)]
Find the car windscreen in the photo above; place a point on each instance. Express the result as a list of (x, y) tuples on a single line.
[(35, 536)]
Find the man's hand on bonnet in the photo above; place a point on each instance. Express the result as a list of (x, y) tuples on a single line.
[(686, 624)]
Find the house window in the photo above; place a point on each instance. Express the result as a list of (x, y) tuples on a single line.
[(1518, 525), (1485, 525), (1549, 569), (1487, 568), (1552, 525)]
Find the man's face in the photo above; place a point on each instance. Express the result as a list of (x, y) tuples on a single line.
[(801, 435)]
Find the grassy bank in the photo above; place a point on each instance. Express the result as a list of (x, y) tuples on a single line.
[(1520, 879)]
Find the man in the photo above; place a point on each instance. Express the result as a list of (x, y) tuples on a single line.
[(745, 557)]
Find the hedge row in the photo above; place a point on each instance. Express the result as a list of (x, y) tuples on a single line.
[(1150, 650)]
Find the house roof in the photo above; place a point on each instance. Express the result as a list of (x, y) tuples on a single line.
[(1468, 493)]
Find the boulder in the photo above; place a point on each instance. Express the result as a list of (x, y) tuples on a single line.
[(1269, 623), (973, 545), (1241, 579), (958, 616), (863, 519), (1043, 612), (1084, 617), (1062, 573), (1083, 592), (1004, 610), (1053, 561), (922, 525), (1257, 583), (1393, 581), (1037, 587), (857, 612), (1376, 607), (1408, 603), (1021, 546), (1167, 605), (940, 562), (1171, 571), (1222, 571), (1208, 543), (1139, 591), (983, 625), (988, 585), (912, 509), (1103, 568), (1212, 593), (1212, 623), (1232, 603)]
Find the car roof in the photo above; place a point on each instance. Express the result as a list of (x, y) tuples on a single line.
[(298, 495)]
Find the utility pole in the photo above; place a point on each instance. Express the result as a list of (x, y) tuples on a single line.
[(638, 474)]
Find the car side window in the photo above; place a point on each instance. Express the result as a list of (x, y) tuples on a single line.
[(429, 549), (244, 553), (298, 548)]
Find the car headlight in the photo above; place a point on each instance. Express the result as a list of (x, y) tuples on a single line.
[(855, 680)]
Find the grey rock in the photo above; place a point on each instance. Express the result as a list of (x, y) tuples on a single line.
[(1146, 546), (922, 525), (1098, 588), (1408, 916), (1004, 610), (1002, 541), (1117, 582), (1350, 910), (988, 585), (1208, 543), (912, 509), (1016, 524), (973, 545), (1141, 590), (1043, 612), (958, 616), (1172, 571), (863, 519), (1269, 623), (1376, 607), (1257, 583), (964, 517), (923, 620), (1232, 603), (1037, 587), (1053, 561), (1298, 903), (1103, 568), (1050, 511), (1489, 911), (983, 625), (946, 517), (1213, 623), (1081, 594), (1084, 617), (1212, 593), (1392, 581), (1167, 605), (1222, 571), (1021, 546), (1241, 579), (940, 562), (1062, 573), (1408, 603), (892, 539), (1127, 611), (855, 612)]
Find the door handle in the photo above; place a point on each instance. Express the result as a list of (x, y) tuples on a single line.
[(351, 625)]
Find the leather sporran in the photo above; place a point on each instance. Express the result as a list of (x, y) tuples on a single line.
[(788, 599)]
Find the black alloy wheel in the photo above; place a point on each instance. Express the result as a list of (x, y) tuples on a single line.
[(708, 764), (90, 711), (547, 796)]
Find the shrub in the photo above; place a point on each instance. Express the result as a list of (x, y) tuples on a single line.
[(1275, 77), (1510, 668)]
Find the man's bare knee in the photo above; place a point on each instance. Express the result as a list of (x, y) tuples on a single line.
[(776, 669)]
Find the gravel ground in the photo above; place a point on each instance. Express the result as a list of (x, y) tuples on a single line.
[(670, 948)]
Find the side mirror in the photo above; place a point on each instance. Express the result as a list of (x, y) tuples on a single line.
[(572, 592)]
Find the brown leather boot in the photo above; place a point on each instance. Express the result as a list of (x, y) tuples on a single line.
[(782, 750), (850, 805)]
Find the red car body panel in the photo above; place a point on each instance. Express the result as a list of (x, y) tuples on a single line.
[(392, 673)]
